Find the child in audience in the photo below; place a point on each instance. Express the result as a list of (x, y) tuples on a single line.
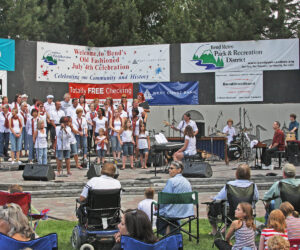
[(146, 204), (276, 226), (291, 219), (277, 242), (243, 228), (101, 141), (143, 145), (126, 142)]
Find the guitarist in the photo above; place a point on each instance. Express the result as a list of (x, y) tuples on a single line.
[(185, 122)]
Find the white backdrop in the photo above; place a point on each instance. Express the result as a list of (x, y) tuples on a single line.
[(3, 83)]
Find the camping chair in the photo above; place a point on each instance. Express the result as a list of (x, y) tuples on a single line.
[(24, 201), (294, 244), (180, 198), (290, 193), (48, 242), (172, 242)]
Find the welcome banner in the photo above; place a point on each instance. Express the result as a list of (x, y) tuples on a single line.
[(280, 54), (101, 91), (72, 63), (239, 86), (7, 54), (170, 93)]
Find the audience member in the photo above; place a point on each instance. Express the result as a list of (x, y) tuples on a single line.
[(19, 228), (276, 226), (291, 219), (277, 242), (242, 175), (146, 204), (176, 184), (136, 224), (243, 229)]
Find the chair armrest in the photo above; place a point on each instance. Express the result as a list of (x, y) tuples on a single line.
[(81, 202)]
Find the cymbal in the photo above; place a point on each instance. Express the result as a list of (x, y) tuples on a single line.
[(247, 129)]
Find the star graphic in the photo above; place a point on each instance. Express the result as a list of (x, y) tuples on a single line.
[(45, 72)]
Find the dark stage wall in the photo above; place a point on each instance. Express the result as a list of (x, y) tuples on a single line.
[(279, 86)]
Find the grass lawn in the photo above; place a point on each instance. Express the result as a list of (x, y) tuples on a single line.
[(64, 231)]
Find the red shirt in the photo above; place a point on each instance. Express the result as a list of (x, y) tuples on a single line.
[(279, 138)]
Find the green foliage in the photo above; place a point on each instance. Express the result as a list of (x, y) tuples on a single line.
[(130, 22)]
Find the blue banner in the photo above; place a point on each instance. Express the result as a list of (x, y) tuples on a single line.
[(7, 54), (170, 93)]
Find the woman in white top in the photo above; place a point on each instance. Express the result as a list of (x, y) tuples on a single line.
[(99, 122), (101, 141), (89, 118), (15, 126), (43, 115), (31, 126), (126, 142), (189, 147), (115, 125), (123, 114), (80, 129), (17, 102), (40, 141), (83, 105), (136, 123), (73, 143), (63, 141), (143, 145)]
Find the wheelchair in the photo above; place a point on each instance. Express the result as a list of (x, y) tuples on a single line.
[(98, 219)]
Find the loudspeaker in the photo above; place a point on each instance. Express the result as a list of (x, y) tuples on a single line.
[(196, 169), (95, 171), (36, 172), (293, 153)]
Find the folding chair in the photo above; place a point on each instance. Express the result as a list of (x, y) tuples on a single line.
[(290, 193), (24, 201), (294, 244), (180, 198), (172, 242), (48, 242)]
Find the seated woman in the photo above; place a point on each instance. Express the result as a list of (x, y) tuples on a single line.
[(189, 147), (243, 229), (136, 224), (19, 228), (291, 219)]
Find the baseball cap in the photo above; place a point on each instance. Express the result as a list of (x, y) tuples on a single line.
[(50, 96)]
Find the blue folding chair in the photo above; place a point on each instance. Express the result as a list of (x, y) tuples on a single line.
[(48, 242), (172, 242)]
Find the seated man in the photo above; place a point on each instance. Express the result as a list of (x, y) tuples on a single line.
[(278, 144), (105, 181), (242, 175), (272, 196), (176, 184)]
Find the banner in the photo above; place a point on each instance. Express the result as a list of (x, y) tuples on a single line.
[(7, 54), (170, 93), (239, 86), (72, 63), (3, 83), (280, 54), (92, 91)]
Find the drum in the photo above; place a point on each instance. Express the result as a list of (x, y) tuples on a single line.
[(234, 152), (237, 139), (290, 136)]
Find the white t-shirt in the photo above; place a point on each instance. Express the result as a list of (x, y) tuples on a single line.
[(85, 108), (49, 107), (44, 118), (127, 136), (137, 126), (102, 182), (71, 111), (76, 122), (72, 139), (182, 124), (29, 125), (55, 115), (191, 147), (145, 205), (16, 125), (117, 125), (89, 117), (41, 140), (3, 129), (63, 138), (101, 138), (100, 123), (65, 105), (123, 114), (13, 105), (23, 115), (143, 141), (231, 133), (128, 106), (141, 110)]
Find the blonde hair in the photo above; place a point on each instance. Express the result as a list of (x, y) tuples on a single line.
[(18, 222), (39, 124), (15, 189), (277, 221), (277, 242)]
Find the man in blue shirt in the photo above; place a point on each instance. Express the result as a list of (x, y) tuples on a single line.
[(294, 125), (176, 184)]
